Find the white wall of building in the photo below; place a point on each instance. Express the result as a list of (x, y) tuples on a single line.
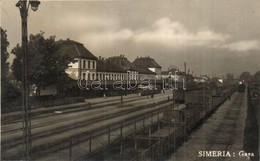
[(158, 71), (88, 69)]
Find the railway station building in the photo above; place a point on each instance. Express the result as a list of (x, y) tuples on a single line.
[(87, 66), (84, 64)]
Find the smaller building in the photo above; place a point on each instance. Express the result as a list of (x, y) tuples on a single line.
[(201, 79), (148, 63), (144, 73), (172, 73)]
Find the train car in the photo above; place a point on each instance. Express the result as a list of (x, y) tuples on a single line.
[(197, 106), (179, 96)]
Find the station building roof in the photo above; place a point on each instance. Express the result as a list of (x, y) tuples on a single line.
[(74, 49), (105, 65), (123, 62)]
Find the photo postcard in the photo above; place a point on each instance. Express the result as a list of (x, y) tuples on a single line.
[(130, 80)]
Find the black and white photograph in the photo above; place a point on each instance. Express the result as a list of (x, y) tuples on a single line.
[(130, 80)]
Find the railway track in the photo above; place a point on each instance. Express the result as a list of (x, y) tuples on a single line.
[(82, 110), (43, 112), (78, 121), (14, 143)]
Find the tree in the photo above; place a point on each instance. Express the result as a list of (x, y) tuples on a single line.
[(229, 76), (8, 92), (4, 57), (45, 65), (4, 65), (246, 76), (257, 76)]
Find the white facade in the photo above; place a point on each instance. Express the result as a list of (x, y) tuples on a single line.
[(130, 75), (110, 76), (158, 71), (86, 67)]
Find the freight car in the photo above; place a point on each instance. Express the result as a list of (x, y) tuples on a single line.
[(198, 106), (183, 118), (179, 96)]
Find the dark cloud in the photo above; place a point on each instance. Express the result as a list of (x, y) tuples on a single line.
[(214, 37)]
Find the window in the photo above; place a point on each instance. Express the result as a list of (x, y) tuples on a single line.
[(88, 64), (84, 64), (88, 76), (93, 65), (93, 76), (84, 75)]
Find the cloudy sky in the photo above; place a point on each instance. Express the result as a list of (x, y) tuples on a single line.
[(214, 37)]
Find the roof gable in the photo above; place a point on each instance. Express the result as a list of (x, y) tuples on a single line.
[(74, 49), (123, 62)]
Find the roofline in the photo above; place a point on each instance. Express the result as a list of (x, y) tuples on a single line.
[(98, 70)]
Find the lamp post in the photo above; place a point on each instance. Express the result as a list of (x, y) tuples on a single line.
[(24, 6)]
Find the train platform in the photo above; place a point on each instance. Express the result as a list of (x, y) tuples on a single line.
[(87, 101), (220, 137)]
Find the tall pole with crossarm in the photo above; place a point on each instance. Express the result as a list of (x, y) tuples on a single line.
[(24, 6)]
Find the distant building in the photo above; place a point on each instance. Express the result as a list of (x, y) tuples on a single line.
[(107, 70), (145, 63), (145, 73), (124, 63), (85, 63), (171, 73), (201, 79)]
